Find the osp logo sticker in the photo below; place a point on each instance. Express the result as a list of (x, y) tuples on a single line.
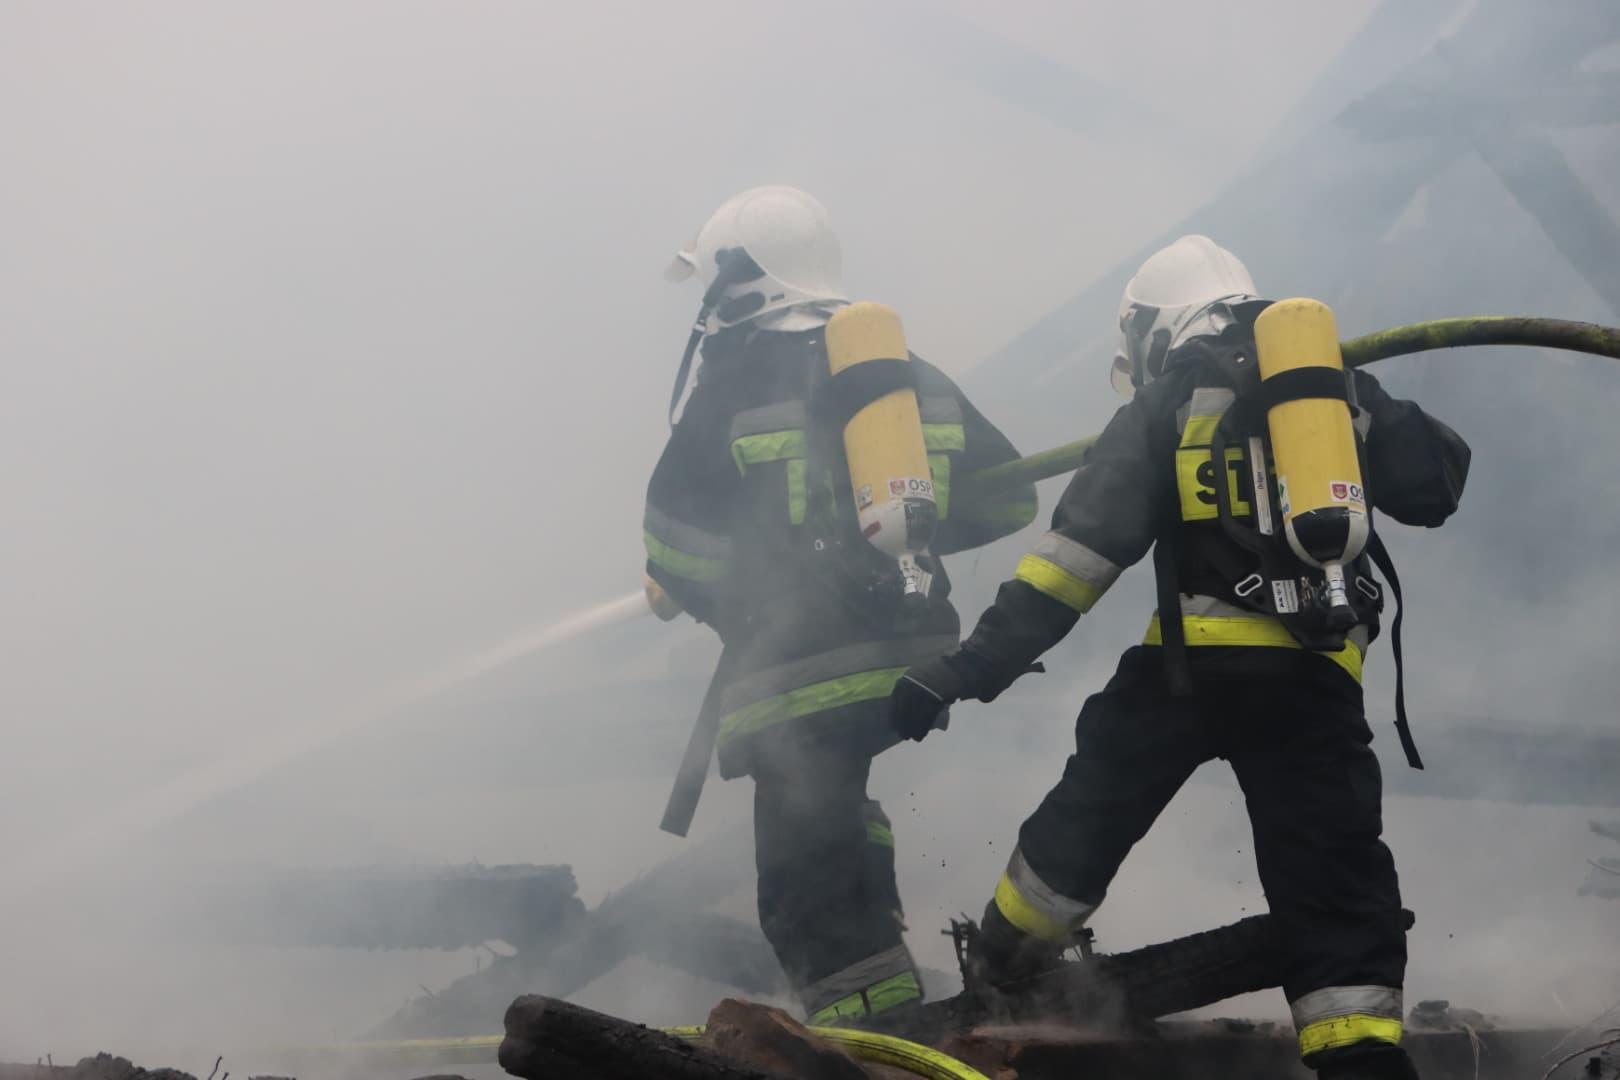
[(911, 485), (1346, 492)]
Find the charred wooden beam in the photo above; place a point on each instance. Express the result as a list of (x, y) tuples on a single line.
[(1119, 992), (547, 1039)]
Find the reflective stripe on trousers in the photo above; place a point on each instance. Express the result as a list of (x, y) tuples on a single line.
[(1035, 907), (868, 986), (1337, 1016), (1207, 620)]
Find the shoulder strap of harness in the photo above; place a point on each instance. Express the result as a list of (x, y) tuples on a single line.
[(837, 400), (1299, 383)]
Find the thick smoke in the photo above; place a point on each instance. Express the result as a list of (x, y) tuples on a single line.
[(335, 350)]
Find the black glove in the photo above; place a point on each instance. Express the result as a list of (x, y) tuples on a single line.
[(929, 688), (922, 693)]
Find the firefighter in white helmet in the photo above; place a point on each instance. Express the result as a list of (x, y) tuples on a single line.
[(1239, 662), (750, 529)]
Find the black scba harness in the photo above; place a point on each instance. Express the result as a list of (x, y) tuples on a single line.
[(1258, 568)]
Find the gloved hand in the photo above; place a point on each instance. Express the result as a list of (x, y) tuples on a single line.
[(929, 688), (658, 601), (925, 691)]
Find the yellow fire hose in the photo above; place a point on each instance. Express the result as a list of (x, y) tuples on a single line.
[(1399, 341), (913, 1057)]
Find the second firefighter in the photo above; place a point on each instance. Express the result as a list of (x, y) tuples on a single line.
[(1252, 656)]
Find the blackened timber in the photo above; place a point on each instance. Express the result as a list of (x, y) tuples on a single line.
[(1122, 991), (547, 1039)]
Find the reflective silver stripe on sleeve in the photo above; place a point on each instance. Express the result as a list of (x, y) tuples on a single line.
[(1205, 401), (1332, 1001), (940, 410), (793, 415), (1201, 606), (683, 537), (782, 416), (1077, 559), (833, 664)]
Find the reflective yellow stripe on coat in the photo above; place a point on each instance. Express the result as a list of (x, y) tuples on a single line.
[(682, 548), (1206, 620), (1068, 571), (839, 677)]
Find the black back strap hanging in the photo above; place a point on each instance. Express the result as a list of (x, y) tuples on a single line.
[(1172, 634), (685, 371), (1380, 557)]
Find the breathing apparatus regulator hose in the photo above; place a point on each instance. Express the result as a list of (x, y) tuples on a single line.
[(913, 1057), (1398, 341)]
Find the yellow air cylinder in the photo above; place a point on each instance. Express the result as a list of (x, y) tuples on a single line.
[(1313, 444), (883, 442)]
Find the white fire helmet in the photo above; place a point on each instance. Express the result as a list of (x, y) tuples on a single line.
[(1184, 291), (783, 265)]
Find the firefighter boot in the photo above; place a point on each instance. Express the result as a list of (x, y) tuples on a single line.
[(1364, 1061), (1001, 957)]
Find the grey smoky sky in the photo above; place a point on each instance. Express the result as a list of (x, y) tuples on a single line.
[(334, 340), (333, 344)]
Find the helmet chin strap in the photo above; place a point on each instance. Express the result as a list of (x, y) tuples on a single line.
[(733, 267), (681, 376)]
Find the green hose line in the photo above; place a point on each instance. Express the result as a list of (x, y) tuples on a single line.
[(1024, 470), (1400, 341), (913, 1057), (1483, 330)]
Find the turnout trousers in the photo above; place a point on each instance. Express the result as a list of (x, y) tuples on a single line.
[(1291, 725), (828, 902)]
